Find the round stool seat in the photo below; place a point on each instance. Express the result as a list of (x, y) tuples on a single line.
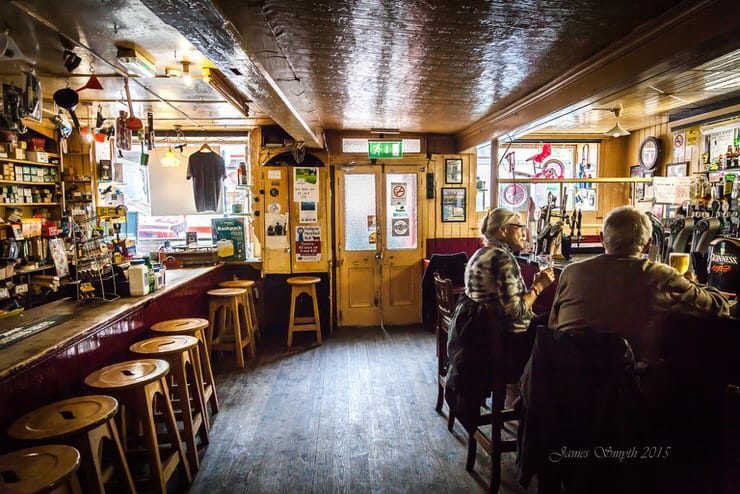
[(237, 284), (165, 345), (185, 325), (37, 469), (64, 418), (303, 280), (128, 374), (227, 292)]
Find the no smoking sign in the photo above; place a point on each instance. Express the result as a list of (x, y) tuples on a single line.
[(399, 191)]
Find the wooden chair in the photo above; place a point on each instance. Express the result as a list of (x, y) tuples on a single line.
[(303, 285), (50, 468), (136, 384), (195, 326), (445, 296), (181, 352), (493, 444), (83, 423)]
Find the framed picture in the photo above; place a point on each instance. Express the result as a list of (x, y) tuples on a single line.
[(453, 171), (453, 204), (677, 169), (647, 191)]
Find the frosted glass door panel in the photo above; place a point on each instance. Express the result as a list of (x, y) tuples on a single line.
[(401, 215), (359, 212)]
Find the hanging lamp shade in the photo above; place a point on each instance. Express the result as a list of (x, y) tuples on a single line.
[(617, 130), (170, 160)]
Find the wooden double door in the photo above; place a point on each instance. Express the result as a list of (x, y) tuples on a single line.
[(379, 245)]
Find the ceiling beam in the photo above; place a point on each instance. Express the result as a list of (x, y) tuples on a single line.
[(219, 37), (687, 36)]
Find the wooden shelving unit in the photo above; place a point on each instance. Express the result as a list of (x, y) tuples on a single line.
[(26, 162)]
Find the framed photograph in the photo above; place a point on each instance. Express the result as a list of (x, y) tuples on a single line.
[(677, 169), (636, 171), (453, 171), (453, 204), (647, 190)]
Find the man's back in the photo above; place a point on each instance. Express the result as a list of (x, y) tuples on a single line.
[(627, 296)]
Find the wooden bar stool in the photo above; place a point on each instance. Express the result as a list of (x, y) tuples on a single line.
[(50, 468), (251, 311), (223, 308), (195, 326), (307, 285), (136, 384), (181, 352), (82, 422)]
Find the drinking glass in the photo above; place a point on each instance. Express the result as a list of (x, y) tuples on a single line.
[(679, 260), (545, 261)]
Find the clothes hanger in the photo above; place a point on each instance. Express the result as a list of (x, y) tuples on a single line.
[(205, 147)]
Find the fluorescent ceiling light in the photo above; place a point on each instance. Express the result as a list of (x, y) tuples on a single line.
[(732, 82), (136, 62), (218, 81)]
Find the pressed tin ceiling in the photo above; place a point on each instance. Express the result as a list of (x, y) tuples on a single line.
[(415, 65)]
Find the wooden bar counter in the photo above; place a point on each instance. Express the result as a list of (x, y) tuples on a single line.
[(52, 364)]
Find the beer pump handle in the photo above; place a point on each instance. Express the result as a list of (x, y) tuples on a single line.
[(580, 217)]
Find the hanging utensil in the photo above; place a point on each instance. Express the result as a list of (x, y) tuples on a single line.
[(123, 134), (32, 96), (132, 123), (99, 119), (149, 136), (68, 99), (92, 83)]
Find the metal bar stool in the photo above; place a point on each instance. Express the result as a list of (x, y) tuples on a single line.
[(82, 422), (136, 384), (251, 311), (305, 285), (181, 351), (195, 326), (50, 468), (223, 323)]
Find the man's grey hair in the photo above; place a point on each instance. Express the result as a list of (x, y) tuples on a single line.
[(496, 219), (627, 231)]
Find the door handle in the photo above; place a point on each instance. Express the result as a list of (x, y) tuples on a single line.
[(378, 256)]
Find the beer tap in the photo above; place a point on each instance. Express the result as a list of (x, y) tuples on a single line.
[(578, 229)]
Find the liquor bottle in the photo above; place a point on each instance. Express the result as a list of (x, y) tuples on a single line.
[(243, 174)]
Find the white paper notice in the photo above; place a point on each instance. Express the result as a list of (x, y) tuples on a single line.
[(276, 228), (307, 243), (307, 212), (305, 184), (664, 190), (273, 175)]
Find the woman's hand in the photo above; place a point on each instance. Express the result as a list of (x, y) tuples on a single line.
[(543, 279)]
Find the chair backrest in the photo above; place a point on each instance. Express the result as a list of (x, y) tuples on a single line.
[(445, 294)]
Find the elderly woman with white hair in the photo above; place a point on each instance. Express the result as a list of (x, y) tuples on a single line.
[(496, 302)]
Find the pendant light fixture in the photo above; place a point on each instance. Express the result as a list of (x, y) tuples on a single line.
[(170, 159), (617, 130)]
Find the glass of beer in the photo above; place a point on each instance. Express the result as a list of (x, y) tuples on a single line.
[(679, 261)]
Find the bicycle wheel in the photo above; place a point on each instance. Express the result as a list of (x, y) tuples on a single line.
[(514, 195), (553, 168)]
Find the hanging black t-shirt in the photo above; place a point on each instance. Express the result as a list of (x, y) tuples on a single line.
[(207, 169)]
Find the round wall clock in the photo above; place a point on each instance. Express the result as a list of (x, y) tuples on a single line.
[(649, 152)]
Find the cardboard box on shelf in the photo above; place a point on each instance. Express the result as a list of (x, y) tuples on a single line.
[(39, 156)]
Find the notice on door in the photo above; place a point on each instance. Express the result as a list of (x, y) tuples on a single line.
[(308, 243), (398, 194), (306, 184), (400, 227)]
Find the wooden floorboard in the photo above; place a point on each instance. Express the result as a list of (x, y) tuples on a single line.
[(355, 415)]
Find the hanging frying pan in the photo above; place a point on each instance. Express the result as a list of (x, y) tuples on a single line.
[(99, 119), (132, 123), (68, 99)]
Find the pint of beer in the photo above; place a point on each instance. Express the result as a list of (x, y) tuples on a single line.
[(679, 260)]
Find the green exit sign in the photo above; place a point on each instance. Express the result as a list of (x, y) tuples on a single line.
[(384, 149)]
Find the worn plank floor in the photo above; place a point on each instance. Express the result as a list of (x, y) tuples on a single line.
[(354, 415)]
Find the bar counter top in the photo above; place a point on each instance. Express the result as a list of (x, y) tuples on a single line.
[(87, 316)]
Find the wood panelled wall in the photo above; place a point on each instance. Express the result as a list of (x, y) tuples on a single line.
[(435, 228)]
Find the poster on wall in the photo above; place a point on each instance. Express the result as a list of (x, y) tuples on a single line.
[(229, 236), (400, 227), (305, 184), (276, 229), (307, 212), (307, 243)]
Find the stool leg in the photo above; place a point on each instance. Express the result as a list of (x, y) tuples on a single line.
[(196, 378), (291, 321), (316, 314), (178, 372), (172, 430), (91, 469), (145, 405), (208, 373), (212, 309), (253, 313), (120, 456), (73, 485), (237, 332), (248, 324)]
